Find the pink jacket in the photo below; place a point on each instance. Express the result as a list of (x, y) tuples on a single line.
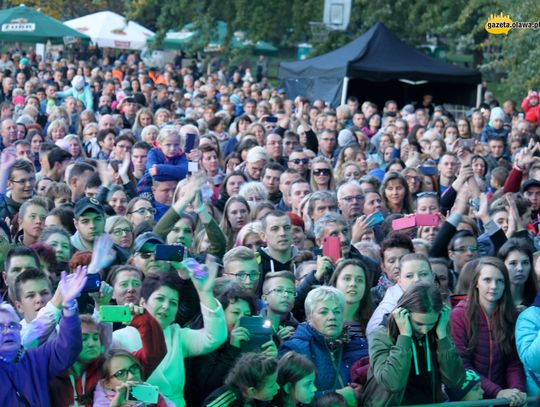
[(496, 371)]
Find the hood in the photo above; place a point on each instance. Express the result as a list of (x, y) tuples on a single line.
[(276, 265)]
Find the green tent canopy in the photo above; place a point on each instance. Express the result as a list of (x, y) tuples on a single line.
[(188, 36), (25, 24)]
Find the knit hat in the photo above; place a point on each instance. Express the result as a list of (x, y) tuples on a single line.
[(78, 82), (346, 137), (471, 379), (533, 94), (496, 113), (24, 62)]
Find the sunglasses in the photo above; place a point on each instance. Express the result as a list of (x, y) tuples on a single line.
[(299, 161), (321, 171)]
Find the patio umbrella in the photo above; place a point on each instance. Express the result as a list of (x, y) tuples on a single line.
[(25, 24), (111, 30)]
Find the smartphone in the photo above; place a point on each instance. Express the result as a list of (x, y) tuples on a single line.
[(115, 313), (260, 332), (427, 220), (93, 282), (199, 272), (467, 143), (190, 142), (428, 170), (271, 119), (193, 166), (405, 222), (376, 218), (169, 252), (145, 393), (332, 247)]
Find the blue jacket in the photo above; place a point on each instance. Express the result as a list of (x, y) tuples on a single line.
[(528, 345), (310, 343), (168, 169)]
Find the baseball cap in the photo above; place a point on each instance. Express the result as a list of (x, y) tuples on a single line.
[(530, 183), (87, 204), (146, 237)]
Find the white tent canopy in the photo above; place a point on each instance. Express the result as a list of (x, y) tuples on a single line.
[(108, 29)]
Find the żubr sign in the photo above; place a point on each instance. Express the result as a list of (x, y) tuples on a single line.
[(19, 24)]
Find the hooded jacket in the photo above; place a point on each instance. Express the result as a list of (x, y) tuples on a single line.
[(528, 345), (393, 362), (168, 169), (497, 372), (332, 374), (31, 373)]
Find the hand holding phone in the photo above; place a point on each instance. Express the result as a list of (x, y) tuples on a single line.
[(260, 332), (375, 219), (144, 392), (115, 313), (332, 247), (170, 252)]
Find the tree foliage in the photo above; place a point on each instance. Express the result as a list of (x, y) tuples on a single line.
[(68, 9)]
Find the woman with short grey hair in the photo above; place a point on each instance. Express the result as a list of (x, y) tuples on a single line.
[(324, 340)]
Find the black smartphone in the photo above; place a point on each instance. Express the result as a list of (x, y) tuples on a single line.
[(260, 332), (271, 119), (190, 142), (428, 170), (93, 282), (169, 252)]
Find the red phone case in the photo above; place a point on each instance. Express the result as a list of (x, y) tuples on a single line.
[(427, 219), (332, 247)]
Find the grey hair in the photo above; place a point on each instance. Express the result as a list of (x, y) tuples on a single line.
[(351, 182), (321, 294), (320, 196), (330, 217), (253, 187), (8, 309), (112, 221)]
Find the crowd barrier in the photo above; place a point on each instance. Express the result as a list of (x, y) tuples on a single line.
[(531, 401)]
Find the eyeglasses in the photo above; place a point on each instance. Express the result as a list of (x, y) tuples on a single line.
[(466, 249), (10, 326), (426, 194), (142, 211), (25, 181), (281, 292), (357, 198), (120, 232), (299, 161), (321, 171), (242, 276), (122, 374), (146, 255)]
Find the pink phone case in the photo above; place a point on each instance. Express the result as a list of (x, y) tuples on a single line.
[(406, 222), (427, 220), (332, 247)]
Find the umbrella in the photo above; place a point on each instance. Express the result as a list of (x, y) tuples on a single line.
[(111, 30), (24, 24), (189, 36)]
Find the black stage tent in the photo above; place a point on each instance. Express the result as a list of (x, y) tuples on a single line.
[(378, 66)]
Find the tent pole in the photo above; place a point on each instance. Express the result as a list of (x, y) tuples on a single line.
[(344, 91), (478, 94)]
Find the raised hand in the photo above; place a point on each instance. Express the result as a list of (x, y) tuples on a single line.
[(238, 335), (442, 325), (403, 322), (72, 285), (269, 349), (482, 212), (103, 296), (103, 255)]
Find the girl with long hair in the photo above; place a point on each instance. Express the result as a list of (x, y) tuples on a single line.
[(517, 255), (413, 355), (296, 379), (483, 328), (395, 193)]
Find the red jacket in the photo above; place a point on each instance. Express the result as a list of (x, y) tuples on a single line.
[(496, 371), (150, 355)]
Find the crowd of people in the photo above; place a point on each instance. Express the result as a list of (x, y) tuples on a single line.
[(195, 237)]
